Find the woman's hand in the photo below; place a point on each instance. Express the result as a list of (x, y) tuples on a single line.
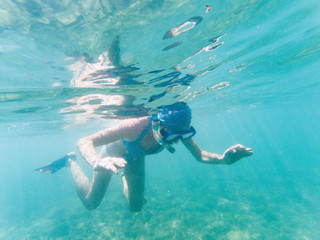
[(235, 153), (110, 164)]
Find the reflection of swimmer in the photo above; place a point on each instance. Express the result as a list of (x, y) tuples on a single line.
[(108, 71), (125, 147)]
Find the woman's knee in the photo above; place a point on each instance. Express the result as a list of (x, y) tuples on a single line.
[(91, 205), (136, 202), (136, 206)]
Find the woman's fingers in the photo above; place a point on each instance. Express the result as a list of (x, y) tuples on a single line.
[(113, 169), (242, 148), (112, 164), (249, 150), (118, 162)]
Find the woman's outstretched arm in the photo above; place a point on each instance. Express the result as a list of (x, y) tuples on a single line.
[(230, 156)]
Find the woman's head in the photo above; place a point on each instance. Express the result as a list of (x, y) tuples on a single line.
[(171, 123), (176, 116)]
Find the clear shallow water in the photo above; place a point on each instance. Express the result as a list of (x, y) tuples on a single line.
[(249, 70)]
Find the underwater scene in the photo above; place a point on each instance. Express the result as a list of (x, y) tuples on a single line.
[(250, 72)]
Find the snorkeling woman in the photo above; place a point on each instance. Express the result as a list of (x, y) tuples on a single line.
[(125, 147)]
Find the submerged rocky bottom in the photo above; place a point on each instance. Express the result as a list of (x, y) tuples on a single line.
[(176, 212)]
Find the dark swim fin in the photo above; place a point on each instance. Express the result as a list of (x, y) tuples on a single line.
[(57, 165)]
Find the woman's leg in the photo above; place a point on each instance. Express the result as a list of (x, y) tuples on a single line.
[(133, 183), (90, 193)]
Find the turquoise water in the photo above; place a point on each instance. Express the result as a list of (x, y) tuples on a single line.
[(248, 69)]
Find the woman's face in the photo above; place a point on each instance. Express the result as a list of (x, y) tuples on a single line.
[(164, 129)]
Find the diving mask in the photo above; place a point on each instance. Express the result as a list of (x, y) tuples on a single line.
[(165, 137), (170, 136)]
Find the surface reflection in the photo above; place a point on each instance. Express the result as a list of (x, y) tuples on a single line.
[(182, 28), (128, 91)]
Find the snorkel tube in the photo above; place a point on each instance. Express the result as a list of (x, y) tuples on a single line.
[(156, 133)]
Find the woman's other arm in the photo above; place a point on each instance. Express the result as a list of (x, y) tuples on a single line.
[(129, 129), (230, 156)]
